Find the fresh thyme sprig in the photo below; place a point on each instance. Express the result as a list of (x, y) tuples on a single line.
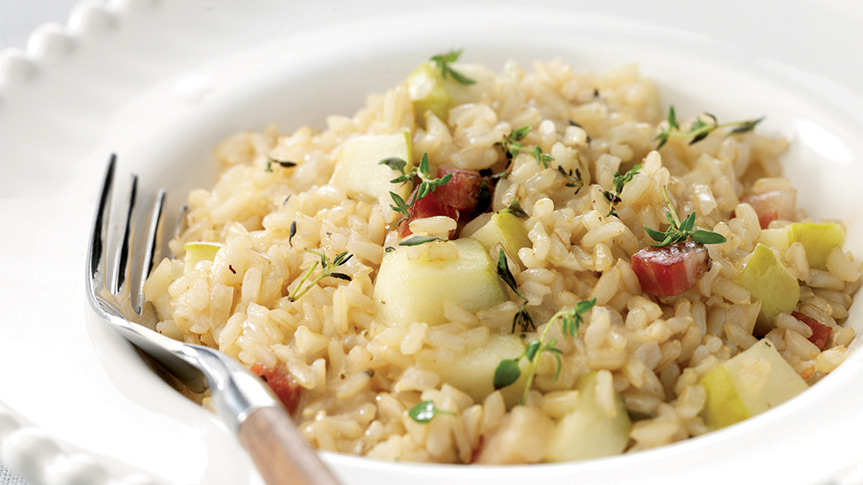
[(543, 159), (522, 318), (427, 184), (613, 198), (700, 128), (678, 231), (425, 411), (326, 270), (515, 209), (443, 63), (512, 144), (574, 179), (508, 371)]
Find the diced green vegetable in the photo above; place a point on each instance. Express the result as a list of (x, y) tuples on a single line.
[(770, 282), (473, 371), (358, 169), (818, 240), (750, 383), (411, 288), (198, 251), (589, 430), (504, 228), (428, 93)]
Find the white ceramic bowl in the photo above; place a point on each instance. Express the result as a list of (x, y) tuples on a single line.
[(160, 83)]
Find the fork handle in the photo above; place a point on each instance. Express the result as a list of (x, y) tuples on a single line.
[(280, 452)]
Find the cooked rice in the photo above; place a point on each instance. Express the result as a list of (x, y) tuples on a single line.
[(360, 375)]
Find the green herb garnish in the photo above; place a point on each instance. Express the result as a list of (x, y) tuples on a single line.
[(326, 270), (427, 185), (522, 318), (700, 128), (515, 209), (512, 144), (443, 63), (678, 231), (613, 198), (425, 411), (508, 371), (573, 178), (541, 158), (417, 240), (281, 163)]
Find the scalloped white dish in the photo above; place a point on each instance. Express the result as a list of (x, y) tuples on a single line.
[(160, 83)]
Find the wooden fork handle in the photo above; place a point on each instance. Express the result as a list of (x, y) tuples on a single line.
[(281, 454)]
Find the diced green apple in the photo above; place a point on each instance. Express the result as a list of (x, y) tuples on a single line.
[(818, 240), (770, 282), (198, 251), (589, 430), (413, 288), (473, 371), (358, 170), (778, 239), (428, 93), (750, 383), (504, 228), (723, 406)]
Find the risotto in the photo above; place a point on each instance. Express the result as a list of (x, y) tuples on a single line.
[(523, 267)]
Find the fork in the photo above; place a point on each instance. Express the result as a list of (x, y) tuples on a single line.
[(241, 399)]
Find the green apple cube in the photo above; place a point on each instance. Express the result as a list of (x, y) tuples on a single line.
[(198, 251), (750, 383), (504, 228), (778, 239), (428, 93), (411, 288), (589, 430), (723, 406), (358, 170), (770, 282), (473, 371), (818, 240)]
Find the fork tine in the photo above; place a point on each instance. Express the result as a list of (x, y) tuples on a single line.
[(153, 249), (96, 255), (121, 266), (181, 225)]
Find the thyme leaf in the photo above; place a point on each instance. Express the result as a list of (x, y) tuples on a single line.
[(573, 179), (618, 183), (427, 184), (281, 163), (443, 62), (515, 209), (425, 411), (417, 240), (508, 372), (543, 159), (327, 268), (679, 231), (505, 274), (512, 144), (522, 317), (700, 128)]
